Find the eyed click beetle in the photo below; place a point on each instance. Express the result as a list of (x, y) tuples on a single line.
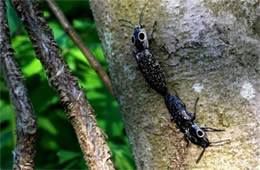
[(186, 123), (147, 63)]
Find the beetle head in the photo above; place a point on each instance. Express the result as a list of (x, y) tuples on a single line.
[(139, 39), (198, 136)]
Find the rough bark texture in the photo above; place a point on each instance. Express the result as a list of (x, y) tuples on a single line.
[(79, 42), (91, 138), (216, 44), (26, 124)]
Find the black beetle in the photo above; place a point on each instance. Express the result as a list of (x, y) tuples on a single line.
[(187, 125), (147, 63)]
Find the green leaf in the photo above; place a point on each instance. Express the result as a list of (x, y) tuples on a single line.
[(13, 20), (60, 35), (66, 156), (47, 125), (80, 24), (46, 14), (32, 68), (6, 111), (99, 54), (42, 96), (122, 156), (5, 138), (75, 164)]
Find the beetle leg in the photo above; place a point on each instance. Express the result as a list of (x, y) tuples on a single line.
[(201, 154), (187, 140), (151, 39), (209, 129)]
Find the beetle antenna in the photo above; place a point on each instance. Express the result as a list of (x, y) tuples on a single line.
[(128, 22), (209, 129), (142, 14), (201, 154), (219, 143), (127, 26), (195, 109)]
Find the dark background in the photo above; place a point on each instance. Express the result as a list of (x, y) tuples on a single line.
[(57, 146)]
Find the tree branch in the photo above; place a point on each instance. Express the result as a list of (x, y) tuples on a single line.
[(79, 42), (91, 138), (26, 124)]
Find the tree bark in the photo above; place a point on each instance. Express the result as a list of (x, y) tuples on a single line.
[(26, 124), (216, 44), (79, 42), (72, 97)]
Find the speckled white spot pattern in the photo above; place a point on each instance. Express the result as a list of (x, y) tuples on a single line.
[(197, 87), (247, 91)]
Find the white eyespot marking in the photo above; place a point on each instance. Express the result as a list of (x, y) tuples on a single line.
[(197, 87), (200, 133), (141, 36), (247, 91)]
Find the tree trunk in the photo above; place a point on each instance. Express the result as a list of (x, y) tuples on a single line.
[(216, 44)]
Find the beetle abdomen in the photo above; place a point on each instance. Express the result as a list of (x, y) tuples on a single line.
[(152, 71)]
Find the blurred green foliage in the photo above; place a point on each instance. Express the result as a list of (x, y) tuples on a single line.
[(57, 146)]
